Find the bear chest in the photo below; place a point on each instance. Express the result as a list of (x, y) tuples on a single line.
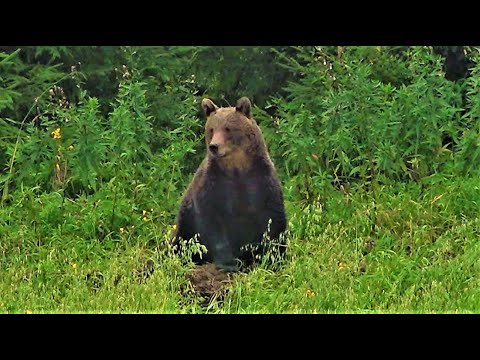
[(240, 197)]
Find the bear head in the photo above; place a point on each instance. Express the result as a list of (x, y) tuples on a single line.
[(232, 136)]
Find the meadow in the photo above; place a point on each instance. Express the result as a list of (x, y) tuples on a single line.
[(377, 149)]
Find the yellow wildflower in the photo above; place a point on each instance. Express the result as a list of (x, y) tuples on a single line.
[(122, 230), (74, 265), (341, 265), (56, 134), (145, 218), (174, 226), (310, 293), (29, 312), (144, 212), (71, 147)]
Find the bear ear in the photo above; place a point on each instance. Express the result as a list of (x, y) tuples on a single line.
[(244, 106), (208, 106)]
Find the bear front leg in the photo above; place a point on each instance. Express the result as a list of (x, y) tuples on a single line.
[(185, 226), (276, 210)]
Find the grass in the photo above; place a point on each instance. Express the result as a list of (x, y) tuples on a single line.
[(415, 251)]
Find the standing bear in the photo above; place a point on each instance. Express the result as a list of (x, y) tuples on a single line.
[(234, 193)]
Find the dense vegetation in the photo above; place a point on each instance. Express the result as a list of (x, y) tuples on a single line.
[(377, 148)]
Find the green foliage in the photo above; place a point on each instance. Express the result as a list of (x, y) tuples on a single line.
[(9, 82), (86, 144), (342, 122), (225, 73), (130, 130), (377, 151), (468, 144), (67, 256)]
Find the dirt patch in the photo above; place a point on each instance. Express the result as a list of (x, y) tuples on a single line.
[(209, 282)]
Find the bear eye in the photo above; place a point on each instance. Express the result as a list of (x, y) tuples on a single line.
[(227, 129), (210, 131)]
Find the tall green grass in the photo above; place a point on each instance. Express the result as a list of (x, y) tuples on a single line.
[(415, 251)]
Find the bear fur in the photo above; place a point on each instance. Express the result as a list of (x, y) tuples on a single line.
[(234, 192)]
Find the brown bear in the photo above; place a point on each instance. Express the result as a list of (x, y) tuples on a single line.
[(234, 193)]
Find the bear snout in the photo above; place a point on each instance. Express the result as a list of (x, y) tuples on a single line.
[(218, 150), (213, 148)]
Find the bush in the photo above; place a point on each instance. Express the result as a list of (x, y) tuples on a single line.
[(345, 121)]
